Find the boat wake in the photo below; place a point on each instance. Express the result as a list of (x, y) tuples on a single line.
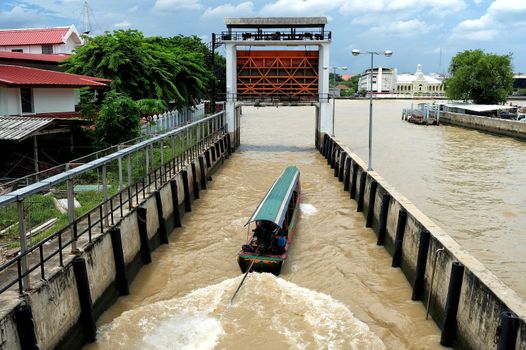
[(308, 209), (268, 312)]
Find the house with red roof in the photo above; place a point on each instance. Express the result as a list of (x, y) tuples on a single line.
[(26, 91), (57, 40), (33, 60)]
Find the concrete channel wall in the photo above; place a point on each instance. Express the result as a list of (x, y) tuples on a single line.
[(61, 317), (496, 126), (474, 309)]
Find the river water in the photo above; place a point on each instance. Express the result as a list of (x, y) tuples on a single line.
[(472, 184), (336, 291)]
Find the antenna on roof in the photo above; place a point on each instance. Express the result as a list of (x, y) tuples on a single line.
[(87, 18), (440, 62)]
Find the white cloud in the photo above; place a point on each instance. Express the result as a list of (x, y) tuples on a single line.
[(228, 10), (475, 29), (410, 6), (172, 5), (501, 15), (507, 6), (403, 28), (20, 17), (133, 8), (123, 24), (357, 8), (304, 7)]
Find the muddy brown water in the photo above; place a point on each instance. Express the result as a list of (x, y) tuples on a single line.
[(470, 183), (337, 291)]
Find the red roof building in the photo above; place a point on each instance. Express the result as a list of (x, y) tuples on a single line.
[(34, 92), (33, 60), (16, 76), (40, 40), (20, 56)]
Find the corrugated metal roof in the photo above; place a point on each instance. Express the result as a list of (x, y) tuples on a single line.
[(248, 22), (274, 206), (20, 128), (37, 36), (25, 76), (33, 56)]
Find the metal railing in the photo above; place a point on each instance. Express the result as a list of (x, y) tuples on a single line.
[(261, 35), (427, 112), (170, 120), (198, 136), (277, 98), (153, 126)]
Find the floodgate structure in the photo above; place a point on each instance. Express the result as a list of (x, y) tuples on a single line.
[(54, 290)]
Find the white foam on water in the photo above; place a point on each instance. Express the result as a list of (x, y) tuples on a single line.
[(185, 332), (308, 209), (267, 311)]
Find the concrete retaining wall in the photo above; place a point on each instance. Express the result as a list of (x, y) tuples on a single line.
[(55, 304), (504, 127), (483, 297), (8, 333)]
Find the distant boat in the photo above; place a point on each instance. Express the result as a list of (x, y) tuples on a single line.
[(424, 114), (272, 225)]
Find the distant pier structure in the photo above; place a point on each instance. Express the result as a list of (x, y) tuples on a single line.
[(277, 61)]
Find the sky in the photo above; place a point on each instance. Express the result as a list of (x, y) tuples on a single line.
[(427, 32)]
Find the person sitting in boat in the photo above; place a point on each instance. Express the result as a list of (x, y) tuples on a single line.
[(263, 235), (281, 243)]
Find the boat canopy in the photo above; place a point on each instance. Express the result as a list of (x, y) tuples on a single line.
[(274, 205)]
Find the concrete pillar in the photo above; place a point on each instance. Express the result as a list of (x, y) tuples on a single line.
[(119, 164), (71, 214), (23, 244), (323, 76), (231, 86), (379, 80)]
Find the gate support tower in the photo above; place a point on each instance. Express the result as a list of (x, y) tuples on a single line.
[(256, 76)]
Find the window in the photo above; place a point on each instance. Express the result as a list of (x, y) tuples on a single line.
[(47, 49), (26, 95), (17, 50)]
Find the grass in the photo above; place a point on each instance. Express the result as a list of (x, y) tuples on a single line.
[(40, 208)]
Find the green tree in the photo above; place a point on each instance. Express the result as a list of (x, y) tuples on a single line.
[(347, 92), (118, 120), (149, 106), (353, 82), (480, 77), (168, 69)]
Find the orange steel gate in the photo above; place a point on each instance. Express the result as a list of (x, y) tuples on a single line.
[(278, 75)]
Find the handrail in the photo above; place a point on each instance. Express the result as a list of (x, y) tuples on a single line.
[(145, 184), (264, 35), (21, 193), (146, 130)]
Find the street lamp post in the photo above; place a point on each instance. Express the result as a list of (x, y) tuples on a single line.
[(334, 94), (387, 53)]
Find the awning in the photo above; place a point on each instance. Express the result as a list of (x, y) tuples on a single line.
[(477, 108), (20, 128), (274, 205)]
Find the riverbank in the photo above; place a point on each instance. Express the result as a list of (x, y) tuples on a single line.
[(501, 127)]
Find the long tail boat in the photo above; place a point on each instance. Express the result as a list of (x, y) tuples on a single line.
[(271, 227)]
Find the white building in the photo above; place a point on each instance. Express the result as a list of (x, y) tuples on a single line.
[(387, 81), (419, 84), (28, 91), (384, 80), (40, 40)]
